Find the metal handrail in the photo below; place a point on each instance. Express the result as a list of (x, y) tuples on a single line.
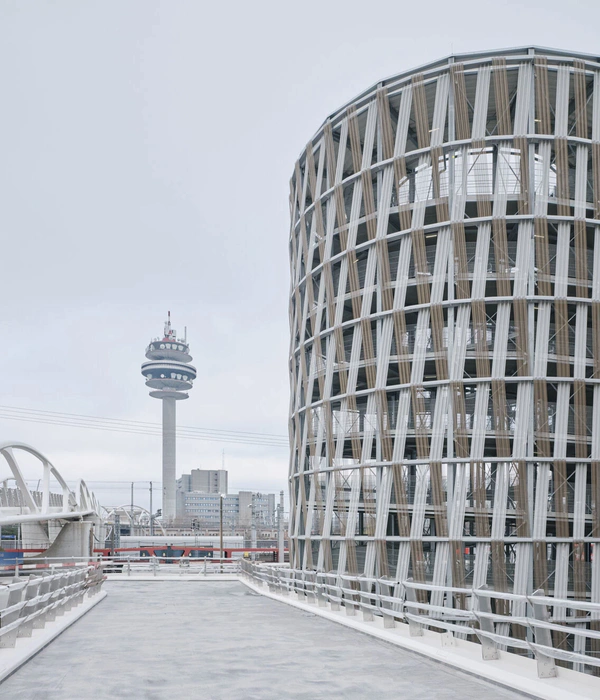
[(172, 566), (375, 597)]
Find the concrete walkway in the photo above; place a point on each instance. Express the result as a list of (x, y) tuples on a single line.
[(163, 641)]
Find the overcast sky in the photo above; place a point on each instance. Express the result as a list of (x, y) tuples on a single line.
[(145, 153)]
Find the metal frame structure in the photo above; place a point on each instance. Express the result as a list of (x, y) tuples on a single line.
[(139, 519), (445, 336)]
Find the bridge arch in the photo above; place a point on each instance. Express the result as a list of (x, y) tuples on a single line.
[(74, 505)]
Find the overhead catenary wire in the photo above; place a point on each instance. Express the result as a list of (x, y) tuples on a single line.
[(74, 420)]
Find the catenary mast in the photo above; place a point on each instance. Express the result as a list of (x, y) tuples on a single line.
[(169, 375)]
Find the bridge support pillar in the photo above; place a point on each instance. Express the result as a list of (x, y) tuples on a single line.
[(74, 540)]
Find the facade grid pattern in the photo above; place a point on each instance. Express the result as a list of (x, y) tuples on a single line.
[(445, 330)]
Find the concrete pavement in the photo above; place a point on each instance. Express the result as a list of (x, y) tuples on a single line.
[(163, 640)]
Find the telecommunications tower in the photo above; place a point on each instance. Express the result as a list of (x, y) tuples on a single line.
[(169, 375)]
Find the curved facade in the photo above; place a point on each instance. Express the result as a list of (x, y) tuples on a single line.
[(445, 328)]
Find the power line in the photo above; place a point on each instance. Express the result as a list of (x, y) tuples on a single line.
[(73, 420), (82, 416), (151, 432)]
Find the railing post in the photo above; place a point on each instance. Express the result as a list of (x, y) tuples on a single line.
[(299, 591), (349, 602), (332, 580), (489, 650), (389, 621), (319, 590), (545, 664), (365, 587), (311, 592), (285, 584), (279, 582), (414, 628), (306, 597)]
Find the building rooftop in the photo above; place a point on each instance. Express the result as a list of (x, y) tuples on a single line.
[(512, 55)]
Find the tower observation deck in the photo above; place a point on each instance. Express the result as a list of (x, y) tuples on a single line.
[(169, 375)]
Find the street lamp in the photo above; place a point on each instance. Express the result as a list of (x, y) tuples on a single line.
[(280, 538), (221, 499), (253, 536)]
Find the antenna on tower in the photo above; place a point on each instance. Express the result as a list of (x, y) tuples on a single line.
[(185, 334)]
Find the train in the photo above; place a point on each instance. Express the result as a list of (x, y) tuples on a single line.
[(169, 547), (233, 541), (170, 554)]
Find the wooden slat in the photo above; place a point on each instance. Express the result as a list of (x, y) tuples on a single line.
[(542, 94), (463, 128), (354, 134), (501, 94), (385, 124), (581, 123), (420, 111)]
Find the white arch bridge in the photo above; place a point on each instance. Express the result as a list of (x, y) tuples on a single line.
[(67, 523)]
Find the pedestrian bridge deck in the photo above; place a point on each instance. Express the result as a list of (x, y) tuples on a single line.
[(159, 640)]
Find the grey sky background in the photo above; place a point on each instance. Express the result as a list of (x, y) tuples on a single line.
[(146, 149)]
